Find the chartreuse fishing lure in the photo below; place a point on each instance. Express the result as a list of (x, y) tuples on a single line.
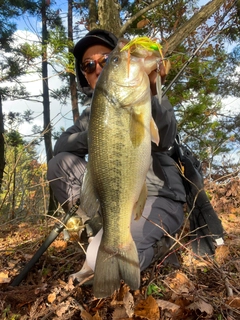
[(147, 44)]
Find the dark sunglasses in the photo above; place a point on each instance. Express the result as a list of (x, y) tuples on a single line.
[(89, 66)]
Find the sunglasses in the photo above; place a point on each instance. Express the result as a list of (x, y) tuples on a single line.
[(89, 66)]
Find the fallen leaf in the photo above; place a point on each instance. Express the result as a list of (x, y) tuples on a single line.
[(59, 245), (232, 217), (128, 302), (62, 309), (163, 304), (179, 283), (4, 277), (51, 297), (118, 295), (70, 286), (85, 315), (221, 254), (97, 316), (202, 306), (147, 309), (119, 313), (4, 274), (234, 302), (4, 280)]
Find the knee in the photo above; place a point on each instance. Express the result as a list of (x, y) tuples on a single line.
[(53, 167), (63, 164)]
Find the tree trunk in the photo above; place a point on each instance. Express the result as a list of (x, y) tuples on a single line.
[(46, 102), (108, 15), (192, 24), (93, 15), (14, 183), (72, 78), (2, 154)]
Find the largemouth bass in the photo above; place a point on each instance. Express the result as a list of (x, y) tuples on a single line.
[(119, 141)]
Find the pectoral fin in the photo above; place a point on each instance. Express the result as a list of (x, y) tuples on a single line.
[(140, 204), (154, 132)]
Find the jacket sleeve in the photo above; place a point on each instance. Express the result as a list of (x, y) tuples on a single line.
[(163, 115), (74, 139)]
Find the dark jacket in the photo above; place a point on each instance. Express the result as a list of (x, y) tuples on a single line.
[(74, 139), (163, 178)]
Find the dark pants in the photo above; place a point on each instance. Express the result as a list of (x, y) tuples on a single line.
[(65, 174), (163, 215)]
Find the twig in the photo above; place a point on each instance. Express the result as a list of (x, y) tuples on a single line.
[(66, 296)]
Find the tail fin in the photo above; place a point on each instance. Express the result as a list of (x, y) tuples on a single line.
[(112, 267)]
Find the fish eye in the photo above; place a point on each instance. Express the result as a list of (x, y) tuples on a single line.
[(115, 59)]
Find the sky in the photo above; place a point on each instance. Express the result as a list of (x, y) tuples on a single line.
[(61, 116)]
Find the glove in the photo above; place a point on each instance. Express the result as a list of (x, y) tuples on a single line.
[(92, 250)]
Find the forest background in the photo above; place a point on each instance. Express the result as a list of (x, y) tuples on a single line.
[(38, 86), (39, 96)]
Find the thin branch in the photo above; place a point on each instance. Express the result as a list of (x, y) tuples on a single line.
[(138, 14)]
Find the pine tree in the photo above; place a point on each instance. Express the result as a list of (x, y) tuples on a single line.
[(11, 69)]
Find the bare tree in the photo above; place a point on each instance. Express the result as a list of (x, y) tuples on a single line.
[(72, 78), (2, 158), (46, 101)]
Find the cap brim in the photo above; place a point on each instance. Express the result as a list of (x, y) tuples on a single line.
[(88, 41)]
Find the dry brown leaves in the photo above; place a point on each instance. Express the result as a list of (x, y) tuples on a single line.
[(208, 289)]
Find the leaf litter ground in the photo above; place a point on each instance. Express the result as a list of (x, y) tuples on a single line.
[(198, 289)]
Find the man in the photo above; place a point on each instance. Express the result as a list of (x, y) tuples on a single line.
[(166, 193)]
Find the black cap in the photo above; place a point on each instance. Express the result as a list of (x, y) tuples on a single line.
[(94, 37)]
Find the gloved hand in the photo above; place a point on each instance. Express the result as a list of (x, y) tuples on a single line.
[(90, 262), (92, 249)]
